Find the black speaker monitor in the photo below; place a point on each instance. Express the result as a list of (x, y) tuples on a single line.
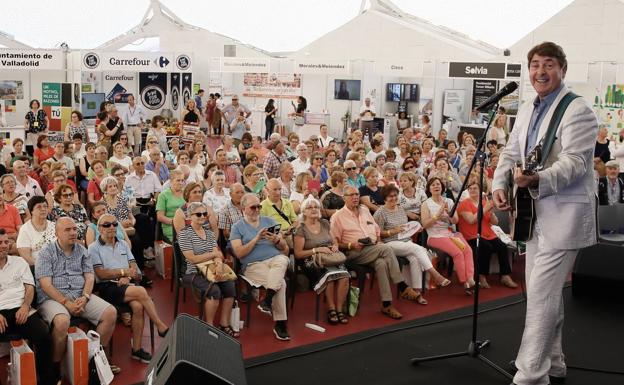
[(599, 271), (194, 352)]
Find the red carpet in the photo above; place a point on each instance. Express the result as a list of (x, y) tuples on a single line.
[(259, 339)]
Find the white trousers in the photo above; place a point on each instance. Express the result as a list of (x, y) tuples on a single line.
[(418, 261), (541, 352)]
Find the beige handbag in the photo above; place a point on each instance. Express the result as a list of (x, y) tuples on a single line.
[(209, 270), (328, 259)]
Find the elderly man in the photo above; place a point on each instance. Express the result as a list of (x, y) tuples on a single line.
[(274, 159), (302, 163), (262, 253), (117, 273), (16, 315), (233, 211), (157, 165), (280, 209), (134, 117), (64, 283), (357, 233), (231, 110), (232, 173), (611, 186), (26, 185), (59, 156)]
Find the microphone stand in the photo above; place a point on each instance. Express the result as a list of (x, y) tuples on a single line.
[(475, 346)]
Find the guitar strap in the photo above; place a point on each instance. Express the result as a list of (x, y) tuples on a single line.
[(549, 138)]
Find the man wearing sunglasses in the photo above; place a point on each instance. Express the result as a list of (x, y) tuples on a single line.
[(263, 255)]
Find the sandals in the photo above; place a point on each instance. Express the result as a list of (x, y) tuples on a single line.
[(332, 317), (229, 331), (391, 312), (409, 294), (421, 300), (342, 318), (444, 283)]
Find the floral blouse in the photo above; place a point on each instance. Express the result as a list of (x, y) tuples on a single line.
[(77, 213)]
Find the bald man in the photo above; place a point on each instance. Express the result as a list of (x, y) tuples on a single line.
[(280, 209), (64, 274)]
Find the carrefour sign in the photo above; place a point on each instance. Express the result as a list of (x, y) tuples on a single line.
[(136, 61)]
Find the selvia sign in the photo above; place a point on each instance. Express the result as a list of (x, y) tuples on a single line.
[(477, 70)]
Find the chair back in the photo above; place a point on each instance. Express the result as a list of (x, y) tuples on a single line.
[(503, 220), (179, 262), (610, 219)]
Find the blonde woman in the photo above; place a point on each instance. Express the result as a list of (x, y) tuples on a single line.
[(151, 141), (301, 191), (313, 236)]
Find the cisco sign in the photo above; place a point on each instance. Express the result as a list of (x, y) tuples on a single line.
[(477, 70)]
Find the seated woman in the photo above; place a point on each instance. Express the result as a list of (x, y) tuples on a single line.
[(412, 195), (301, 190), (333, 199), (389, 175), (59, 178), (218, 196), (66, 207), (443, 171), (198, 244), (11, 222), (370, 194), (37, 232), (8, 182), (312, 237), (117, 272), (94, 193), (168, 202), (391, 219), (182, 218), (251, 177), (287, 173), (436, 220), (317, 169), (490, 243)]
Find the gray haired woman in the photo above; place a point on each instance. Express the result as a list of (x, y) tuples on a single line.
[(198, 244), (312, 237)]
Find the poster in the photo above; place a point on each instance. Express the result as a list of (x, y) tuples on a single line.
[(482, 90), (174, 83), (153, 89), (56, 101), (91, 82), (11, 89), (609, 108), (10, 106), (118, 85), (510, 102), (187, 87), (454, 101), (276, 86)]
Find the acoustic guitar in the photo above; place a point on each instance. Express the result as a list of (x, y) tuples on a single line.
[(521, 202)]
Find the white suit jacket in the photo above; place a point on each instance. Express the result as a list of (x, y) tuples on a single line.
[(565, 200)]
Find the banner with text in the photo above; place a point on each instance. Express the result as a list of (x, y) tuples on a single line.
[(286, 86), (56, 101), (243, 65), (477, 70), (153, 89), (136, 61), (174, 83), (327, 67), (482, 90), (27, 59), (390, 68), (187, 87), (118, 85)]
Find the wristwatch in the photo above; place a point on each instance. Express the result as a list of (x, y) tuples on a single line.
[(87, 296)]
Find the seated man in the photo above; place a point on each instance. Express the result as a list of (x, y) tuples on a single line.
[(16, 316), (280, 209), (233, 211), (357, 233), (64, 276), (264, 261), (117, 274), (611, 186)]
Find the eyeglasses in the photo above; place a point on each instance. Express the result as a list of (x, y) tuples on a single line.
[(202, 214), (123, 138), (319, 158), (255, 207), (152, 142), (68, 195), (235, 100), (107, 225), (350, 168), (257, 175), (139, 163)]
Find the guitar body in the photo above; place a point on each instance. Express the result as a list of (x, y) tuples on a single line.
[(523, 215)]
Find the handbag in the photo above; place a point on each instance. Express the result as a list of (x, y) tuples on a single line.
[(209, 270), (299, 121), (328, 259)]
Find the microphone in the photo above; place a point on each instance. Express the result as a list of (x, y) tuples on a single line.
[(509, 88)]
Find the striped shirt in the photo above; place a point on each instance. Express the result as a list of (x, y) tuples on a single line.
[(387, 220), (190, 241), (66, 272)]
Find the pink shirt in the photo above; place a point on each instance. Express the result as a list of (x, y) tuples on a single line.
[(347, 227)]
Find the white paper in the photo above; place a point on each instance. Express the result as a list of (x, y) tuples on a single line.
[(410, 229)]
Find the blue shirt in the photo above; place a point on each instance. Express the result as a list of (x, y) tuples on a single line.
[(163, 172), (264, 248), (358, 182), (66, 272), (198, 102), (539, 112), (117, 256)]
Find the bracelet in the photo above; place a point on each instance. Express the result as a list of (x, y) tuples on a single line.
[(349, 246), (314, 250)]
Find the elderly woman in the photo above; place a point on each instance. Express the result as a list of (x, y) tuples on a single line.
[(312, 237), (158, 131), (392, 219), (119, 156), (43, 151), (287, 173), (116, 272), (37, 232), (389, 174), (301, 191), (401, 150), (101, 153), (455, 158), (428, 152), (331, 158), (76, 126), (489, 243), (182, 218), (198, 244), (467, 141), (436, 220), (66, 206), (168, 202), (10, 196), (198, 148), (84, 166), (171, 157), (412, 195), (317, 169), (94, 193), (11, 222), (195, 166), (443, 171), (333, 200), (370, 193), (354, 178), (18, 151), (291, 149), (151, 142), (218, 196), (254, 181)]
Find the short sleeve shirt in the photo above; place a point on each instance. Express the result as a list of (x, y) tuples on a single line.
[(264, 248), (13, 276), (117, 256), (66, 272), (190, 241), (29, 237), (168, 203)]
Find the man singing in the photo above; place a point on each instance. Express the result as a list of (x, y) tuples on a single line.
[(564, 197)]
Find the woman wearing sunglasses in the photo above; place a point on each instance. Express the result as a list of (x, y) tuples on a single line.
[(64, 196), (198, 244)]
